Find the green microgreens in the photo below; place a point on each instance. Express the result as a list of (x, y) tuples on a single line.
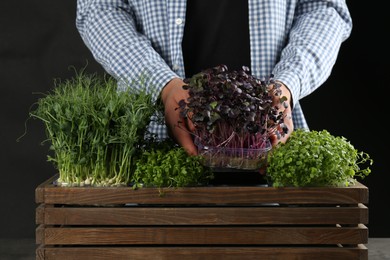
[(165, 164), (94, 129), (316, 158)]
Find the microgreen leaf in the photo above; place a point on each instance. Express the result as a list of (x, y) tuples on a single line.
[(232, 108), (316, 158)]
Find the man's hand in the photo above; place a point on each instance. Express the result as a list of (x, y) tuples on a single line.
[(179, 128), (287, 113)]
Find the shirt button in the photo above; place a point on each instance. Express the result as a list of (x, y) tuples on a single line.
[(179, 21), (175, 67)]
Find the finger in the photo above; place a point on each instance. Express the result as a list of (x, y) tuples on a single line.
[(190, 125), (184, 139), (178, 127), (180, 131), (182, 135), (280, 135)]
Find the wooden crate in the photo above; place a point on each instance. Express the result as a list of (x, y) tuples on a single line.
[(213, 222)]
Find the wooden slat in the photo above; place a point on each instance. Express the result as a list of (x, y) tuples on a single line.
[(40, 190), (214, 222), (201, 215), (40, 234), (40, 214), (203, 195), (40, 252), (205, 235), (201, 253)]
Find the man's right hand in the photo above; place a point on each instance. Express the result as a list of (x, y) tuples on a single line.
[(179, 128)]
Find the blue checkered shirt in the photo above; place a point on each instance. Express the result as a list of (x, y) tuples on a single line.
[(295, 40)]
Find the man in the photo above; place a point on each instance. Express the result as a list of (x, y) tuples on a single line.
[(297, 41)]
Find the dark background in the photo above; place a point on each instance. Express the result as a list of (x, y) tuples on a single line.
[(39, 43)]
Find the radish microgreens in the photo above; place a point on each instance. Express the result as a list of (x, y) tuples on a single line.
[(232, 108)]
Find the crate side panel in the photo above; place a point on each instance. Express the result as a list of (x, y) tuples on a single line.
[(135, 215), (205, 235), (205, 195)]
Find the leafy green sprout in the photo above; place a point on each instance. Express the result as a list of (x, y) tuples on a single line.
[(316, 158), (165, 164), (94, 129)]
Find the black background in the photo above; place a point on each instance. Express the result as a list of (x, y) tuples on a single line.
[(39, 43)]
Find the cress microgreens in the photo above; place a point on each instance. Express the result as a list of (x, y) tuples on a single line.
[(316, 158), (94, 129), (165, 164)]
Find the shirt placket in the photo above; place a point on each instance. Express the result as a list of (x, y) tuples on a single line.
[(176, 18)]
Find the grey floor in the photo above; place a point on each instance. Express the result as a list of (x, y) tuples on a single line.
[(24, 249)]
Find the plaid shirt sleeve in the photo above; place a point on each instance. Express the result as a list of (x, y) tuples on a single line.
[(318, 28), (296, 40), (109, 29)]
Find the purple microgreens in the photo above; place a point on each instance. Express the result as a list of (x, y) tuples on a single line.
[(233, 108)]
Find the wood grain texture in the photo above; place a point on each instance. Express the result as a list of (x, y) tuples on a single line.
[(49, 193), (259, 215), (202, 235), (211, 222)]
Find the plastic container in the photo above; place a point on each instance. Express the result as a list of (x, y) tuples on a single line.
[(235, 158)]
